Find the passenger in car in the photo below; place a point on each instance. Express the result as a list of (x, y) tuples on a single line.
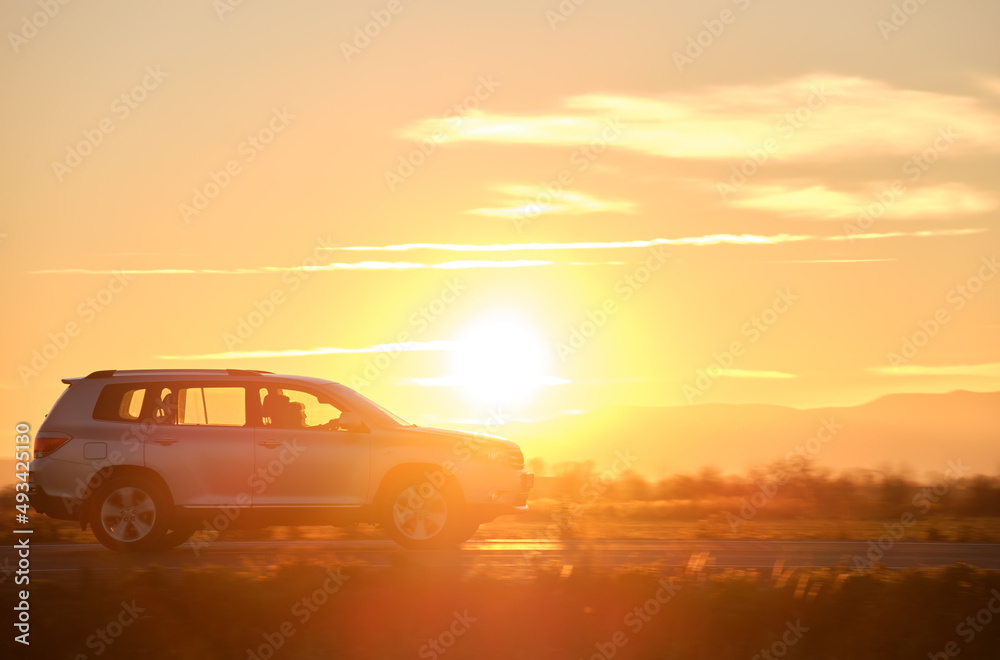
[(281, 412), (296, 415), (272, 409), (166, 409)]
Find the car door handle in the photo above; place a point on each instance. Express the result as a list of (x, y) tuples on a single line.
[(270, 444), (165, 441)]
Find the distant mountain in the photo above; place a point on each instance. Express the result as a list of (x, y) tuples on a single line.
[(916, 432)]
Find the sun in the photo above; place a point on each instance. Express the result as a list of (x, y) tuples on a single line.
[(501, 359)]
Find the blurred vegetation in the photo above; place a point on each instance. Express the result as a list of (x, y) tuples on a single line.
[(550, 614), (769, 502), (578, 500)]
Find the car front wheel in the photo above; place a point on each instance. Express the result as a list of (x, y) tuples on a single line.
[(421, 515)]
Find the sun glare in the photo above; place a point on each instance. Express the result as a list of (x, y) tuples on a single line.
[(500, 359)]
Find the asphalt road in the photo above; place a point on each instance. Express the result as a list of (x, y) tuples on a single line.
[(510, 557)]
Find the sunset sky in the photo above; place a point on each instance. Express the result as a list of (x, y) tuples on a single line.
[(505, 205)]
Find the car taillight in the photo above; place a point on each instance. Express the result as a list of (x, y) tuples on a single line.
[(46, 443)]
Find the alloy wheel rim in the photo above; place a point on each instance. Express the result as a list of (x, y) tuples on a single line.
[(128, 514), (420, 517)]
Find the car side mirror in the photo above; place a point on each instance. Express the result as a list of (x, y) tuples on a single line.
[(351, 421)]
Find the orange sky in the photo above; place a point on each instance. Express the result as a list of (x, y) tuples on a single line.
[(645, 203)]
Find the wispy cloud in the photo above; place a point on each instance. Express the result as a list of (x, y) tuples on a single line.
[(406, 346), (711, 239), (926, 233), (361, 265), (525, 201), (707, 240), (854, 117), (822, 261), (989, 369), (459, 381), (745, 373), (819, 201)]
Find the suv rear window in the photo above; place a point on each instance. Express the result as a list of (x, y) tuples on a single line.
[(173, 403), (120, 403)]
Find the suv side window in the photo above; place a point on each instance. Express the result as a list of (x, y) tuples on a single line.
[(296, 409), (215, 406)]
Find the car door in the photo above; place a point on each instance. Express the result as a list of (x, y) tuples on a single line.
[(200, 443), (301, 457)]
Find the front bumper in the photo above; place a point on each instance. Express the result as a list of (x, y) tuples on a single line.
[(505, 501), (527, 483)]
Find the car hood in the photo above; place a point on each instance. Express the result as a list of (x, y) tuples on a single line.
[(451, 433)]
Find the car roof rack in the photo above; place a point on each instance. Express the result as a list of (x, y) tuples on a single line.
[(108, 373)]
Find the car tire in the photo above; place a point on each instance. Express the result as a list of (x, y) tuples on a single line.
[(178, 534), (420, 515), (465, 530), (129, 514)]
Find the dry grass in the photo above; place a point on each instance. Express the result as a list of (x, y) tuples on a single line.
[(393, 613)]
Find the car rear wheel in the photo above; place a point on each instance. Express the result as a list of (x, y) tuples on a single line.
[(420, 515), (129, 514), (179, 533)]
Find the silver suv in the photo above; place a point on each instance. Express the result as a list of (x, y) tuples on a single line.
[(148, 457)]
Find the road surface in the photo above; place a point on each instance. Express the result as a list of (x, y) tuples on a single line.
[(510, 557)]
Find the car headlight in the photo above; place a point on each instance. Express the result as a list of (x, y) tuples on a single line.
[(496, 454), (503, 455)]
